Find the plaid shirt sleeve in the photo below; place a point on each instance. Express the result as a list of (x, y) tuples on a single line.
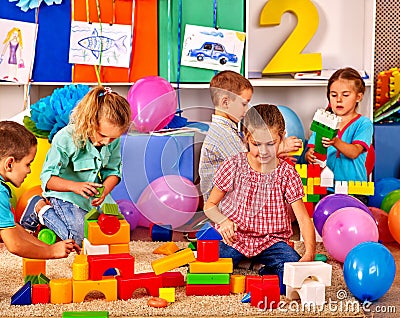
[(225, 175)]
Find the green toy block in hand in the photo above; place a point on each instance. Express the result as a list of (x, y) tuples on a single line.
[(101, 190)]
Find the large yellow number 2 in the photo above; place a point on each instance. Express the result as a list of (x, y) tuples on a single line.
[(289, 58)]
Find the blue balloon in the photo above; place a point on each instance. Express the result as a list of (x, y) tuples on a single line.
[(382, 188), (369, 270), (294, 126)]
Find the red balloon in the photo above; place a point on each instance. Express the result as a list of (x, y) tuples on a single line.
[(370, 160), (382, 221)]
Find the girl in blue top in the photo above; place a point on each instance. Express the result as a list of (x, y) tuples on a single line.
[(84, 156), (347, 156)]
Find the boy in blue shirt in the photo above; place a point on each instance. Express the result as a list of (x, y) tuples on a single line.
[(17, 151)]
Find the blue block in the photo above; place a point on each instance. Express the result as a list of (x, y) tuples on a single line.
[(387, 151), (146, 158), (161, 233), (209, 233), (23, 296)]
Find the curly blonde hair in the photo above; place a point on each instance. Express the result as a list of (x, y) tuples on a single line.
[(99, 104)]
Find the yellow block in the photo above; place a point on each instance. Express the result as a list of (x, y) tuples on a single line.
[(33, 266), (167, 293), (80, 268), (107, 286), (223, 265), (60, 291), (119, 248), (238, 284), (97, 237), (301, 169), (169, 262)]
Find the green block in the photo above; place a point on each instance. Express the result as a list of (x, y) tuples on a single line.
[(193, 246), (323, 130), (112, 209), (313, 197), (85, 227), (34, 279), (98, 314), (93, 214), (230, 15), (207, 279), (43, 279), (320, 257), (101, 190), (304, 181)]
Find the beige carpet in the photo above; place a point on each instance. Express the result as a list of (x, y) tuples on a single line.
[(184, 306)]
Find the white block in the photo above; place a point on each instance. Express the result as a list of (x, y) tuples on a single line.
[(341, 187), (295, 273), (311, 292), (327, 177), (90, 249)]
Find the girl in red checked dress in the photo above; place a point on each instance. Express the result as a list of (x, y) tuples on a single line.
[(248, 200)]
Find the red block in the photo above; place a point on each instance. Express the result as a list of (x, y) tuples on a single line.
[(172, 279), (314, 170), (252, 279), (208, 290), (98, 264), (320, 190), (207, 251), (319, 157), (310, 208), (150, 281), (265, 295), (40, 294)]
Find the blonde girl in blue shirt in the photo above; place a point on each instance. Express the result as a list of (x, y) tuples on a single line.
[(84, 156)]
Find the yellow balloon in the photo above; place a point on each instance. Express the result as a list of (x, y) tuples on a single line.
[(33, 178)]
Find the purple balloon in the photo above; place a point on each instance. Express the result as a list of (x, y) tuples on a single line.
[(131, 213), (345, 229), (169, 200), (332, 202), (153, 103)]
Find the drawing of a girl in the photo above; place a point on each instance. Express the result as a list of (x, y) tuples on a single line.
[(13, 42)]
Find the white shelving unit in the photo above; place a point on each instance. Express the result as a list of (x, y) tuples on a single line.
[(345, 37)]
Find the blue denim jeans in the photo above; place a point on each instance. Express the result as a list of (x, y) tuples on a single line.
[(272, 258), (65, 219)]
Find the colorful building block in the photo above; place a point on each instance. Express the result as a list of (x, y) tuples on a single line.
[(166, 249), (169, 262), (40, 294), (61, 291), (161, 233), (295, 273), (98, 264), (208, 233), (167, 293), (223, 265), (96, 236), (207, 250), (88, 314), (108, 286), (207, 290), (23, 295), (238, 284), (33, 266), (361, 187), (208, 279), (148, 281)]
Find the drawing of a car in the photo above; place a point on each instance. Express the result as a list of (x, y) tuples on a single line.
[(215, 51)]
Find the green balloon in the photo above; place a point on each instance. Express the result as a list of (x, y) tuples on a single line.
[(389, 200)]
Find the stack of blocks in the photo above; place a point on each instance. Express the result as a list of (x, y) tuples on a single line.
[(307, 281), (106, 246), (209, 274), (387, 86)]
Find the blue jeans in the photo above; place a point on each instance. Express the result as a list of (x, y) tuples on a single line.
[(65, 219), (272, 258)]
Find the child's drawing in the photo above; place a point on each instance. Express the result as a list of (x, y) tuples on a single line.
[(17, 50), (213, 49), (100, 44)]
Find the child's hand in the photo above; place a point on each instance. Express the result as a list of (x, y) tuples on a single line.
[(326, 142), (64, 248), (98, 201), (292, 144), (227, 229), (307, 257), (310, 157), (86, 189)]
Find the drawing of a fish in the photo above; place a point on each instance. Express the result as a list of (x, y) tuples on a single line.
[(98, 43)]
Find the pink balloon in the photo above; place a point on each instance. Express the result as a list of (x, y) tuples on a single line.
[(169, 200), (153, 103), (345, 229)]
